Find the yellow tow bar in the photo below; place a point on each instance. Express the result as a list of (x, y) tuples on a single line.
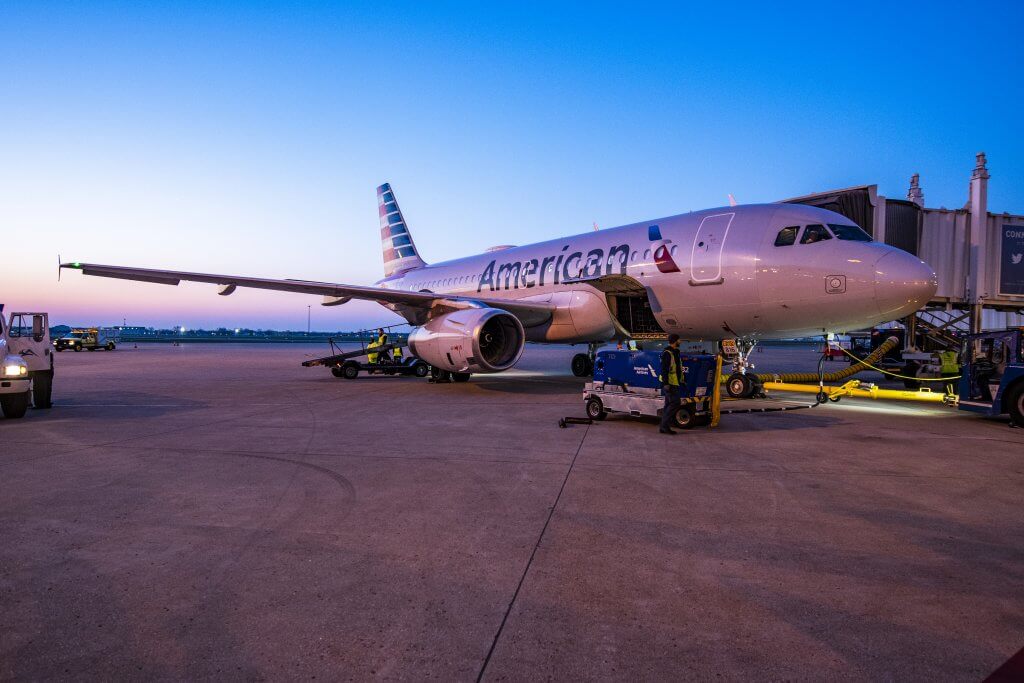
[(855, 389)]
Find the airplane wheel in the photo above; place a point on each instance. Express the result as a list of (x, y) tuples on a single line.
[(739, 386), (581, 366), (595, 409), (350, 371), (421, 369), (460, 376), (685, 417), (1015, 405), (14, 405)]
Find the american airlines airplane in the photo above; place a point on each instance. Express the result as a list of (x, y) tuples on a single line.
[(749, 272)]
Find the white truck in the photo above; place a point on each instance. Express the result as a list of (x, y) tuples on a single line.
[(26, 373)]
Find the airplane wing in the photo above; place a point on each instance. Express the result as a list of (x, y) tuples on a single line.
[(530, 313)]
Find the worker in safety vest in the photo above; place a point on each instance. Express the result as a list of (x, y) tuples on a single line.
[(382, 339), (948, 367), (671, 381), (372, 356), (397, 353)]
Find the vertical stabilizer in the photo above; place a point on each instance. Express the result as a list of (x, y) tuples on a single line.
[(399, 250)]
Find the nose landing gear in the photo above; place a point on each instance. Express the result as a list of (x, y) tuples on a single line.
[(583, 363), (741, 383)]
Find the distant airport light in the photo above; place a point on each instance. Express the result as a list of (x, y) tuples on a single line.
[(181, 329)]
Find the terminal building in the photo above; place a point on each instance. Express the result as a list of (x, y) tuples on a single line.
[(978, 255)]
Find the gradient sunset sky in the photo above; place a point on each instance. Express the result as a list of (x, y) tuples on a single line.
[(249, 137)]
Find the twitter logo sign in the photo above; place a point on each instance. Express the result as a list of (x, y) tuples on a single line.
[(1011, 271)]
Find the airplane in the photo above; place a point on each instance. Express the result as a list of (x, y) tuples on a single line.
[(746, 272)]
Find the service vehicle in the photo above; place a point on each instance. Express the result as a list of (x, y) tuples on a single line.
[(348, 364), (410, 366), (26, 376), (627, 382), (88, 338), (992, 374)]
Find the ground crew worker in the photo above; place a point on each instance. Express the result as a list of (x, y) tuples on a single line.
[(372, 356), (398, 353), (632, 345), (382, 340), (949, 367), (672, 379)]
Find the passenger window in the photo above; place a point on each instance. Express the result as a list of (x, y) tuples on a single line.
[(851, 233), (814, 233), (787, 236)]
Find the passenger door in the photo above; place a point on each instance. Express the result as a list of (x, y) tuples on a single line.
[(706, 254)]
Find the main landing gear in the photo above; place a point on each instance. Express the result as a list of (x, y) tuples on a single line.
[(439, 376), (741, 383), (583, 363)]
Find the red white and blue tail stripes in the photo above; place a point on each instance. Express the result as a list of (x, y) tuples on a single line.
[(399, 250)]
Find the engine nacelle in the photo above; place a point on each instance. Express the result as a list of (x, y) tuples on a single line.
[(470, 340)]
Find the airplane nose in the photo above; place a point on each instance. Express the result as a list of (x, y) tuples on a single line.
[(903, 284)]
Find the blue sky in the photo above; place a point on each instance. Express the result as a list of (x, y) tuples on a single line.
[(249, 137)]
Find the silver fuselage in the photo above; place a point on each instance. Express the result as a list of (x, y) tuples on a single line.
[(720, 275)]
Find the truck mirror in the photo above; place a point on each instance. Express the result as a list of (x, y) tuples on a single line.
[(37, 328)]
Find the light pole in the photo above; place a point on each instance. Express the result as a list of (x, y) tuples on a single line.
[(309, 313)]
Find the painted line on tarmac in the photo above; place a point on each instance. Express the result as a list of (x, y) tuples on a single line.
[(529, 562)]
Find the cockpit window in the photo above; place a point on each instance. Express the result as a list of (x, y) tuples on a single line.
[(850, 233), (815, 233), (787, 236)]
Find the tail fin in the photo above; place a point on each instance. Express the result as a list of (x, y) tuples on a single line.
[(399, 250)]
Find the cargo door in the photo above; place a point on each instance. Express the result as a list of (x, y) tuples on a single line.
[(706, 254)]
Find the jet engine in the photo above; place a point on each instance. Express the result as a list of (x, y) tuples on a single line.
[(470, 340)]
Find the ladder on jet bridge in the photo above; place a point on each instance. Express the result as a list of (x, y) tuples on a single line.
[(932, 330)]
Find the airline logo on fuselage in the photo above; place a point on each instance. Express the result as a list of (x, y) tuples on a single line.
[(662, 256), (562, 267)]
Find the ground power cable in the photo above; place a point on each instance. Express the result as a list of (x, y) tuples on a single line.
[(529, 562)]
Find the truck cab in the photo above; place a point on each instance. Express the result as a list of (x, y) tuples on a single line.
[(992, 379), (26, 375)]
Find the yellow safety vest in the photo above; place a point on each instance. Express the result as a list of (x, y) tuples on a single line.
[(673, 372), (949, 363), (398, 352), (372, 356)]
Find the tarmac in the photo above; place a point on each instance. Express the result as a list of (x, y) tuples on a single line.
[(218, 511)]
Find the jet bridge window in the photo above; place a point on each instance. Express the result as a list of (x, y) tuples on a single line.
[(850, 233), (787, 236), (814, 233)]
